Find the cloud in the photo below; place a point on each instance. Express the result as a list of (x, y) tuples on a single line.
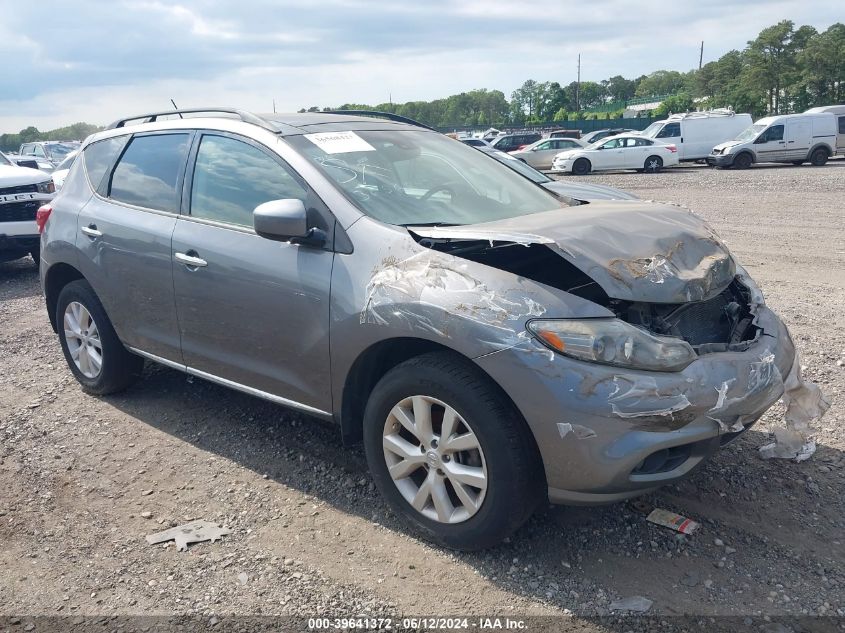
[(96, 61)]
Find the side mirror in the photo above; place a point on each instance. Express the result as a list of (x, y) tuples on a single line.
[(286, 221), (280, 219)]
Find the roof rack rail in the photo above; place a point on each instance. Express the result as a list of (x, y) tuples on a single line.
[(151, 117), (381, 115)]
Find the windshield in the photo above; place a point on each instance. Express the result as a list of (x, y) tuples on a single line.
[(4, 160), (750, 132), (652, 130), (414, 177), (58, 151)]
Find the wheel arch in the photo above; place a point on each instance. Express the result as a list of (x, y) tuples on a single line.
[(746, 151), (819, 146), (57, 277), (374, 362)]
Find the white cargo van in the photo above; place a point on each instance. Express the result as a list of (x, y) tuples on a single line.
[(839, 112), (696, 133), (788, 138)]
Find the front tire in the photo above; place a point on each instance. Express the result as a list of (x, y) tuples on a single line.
[(581, 167), (742, 161), (35, 253), (450, 454), (96, 357)]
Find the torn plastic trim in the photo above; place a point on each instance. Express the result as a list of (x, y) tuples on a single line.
[(440, 297), (575, 430)]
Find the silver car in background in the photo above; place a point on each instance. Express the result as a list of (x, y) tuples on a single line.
[(494, 345), (541, 155)]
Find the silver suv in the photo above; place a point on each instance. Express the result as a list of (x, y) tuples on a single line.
[(493, 344)]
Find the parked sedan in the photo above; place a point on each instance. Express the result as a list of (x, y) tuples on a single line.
[(541, 154), (619, 152), (592, 137), (577, 190)]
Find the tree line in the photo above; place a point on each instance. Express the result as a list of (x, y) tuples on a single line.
[(784, 69), (75, 132)]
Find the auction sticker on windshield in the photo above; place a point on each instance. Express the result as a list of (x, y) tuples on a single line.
[(340, 142)]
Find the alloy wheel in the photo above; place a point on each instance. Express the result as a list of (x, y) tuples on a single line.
[(83, 340), (435, 459)]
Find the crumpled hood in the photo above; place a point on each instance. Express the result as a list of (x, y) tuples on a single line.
[(636, 251), (727, 145)]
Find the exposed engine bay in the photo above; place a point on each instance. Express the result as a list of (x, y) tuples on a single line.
[(722, 323)]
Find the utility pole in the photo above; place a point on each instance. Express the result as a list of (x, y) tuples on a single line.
[(578, 87), (701, 55)]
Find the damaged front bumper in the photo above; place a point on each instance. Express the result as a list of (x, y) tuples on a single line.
[(606, 433), (720, 160)]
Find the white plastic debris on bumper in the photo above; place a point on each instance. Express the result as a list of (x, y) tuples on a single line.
[(804, 403)]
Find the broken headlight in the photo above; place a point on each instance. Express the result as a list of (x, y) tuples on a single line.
[(613, 342)]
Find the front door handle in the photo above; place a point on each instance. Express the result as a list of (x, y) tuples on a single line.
[(190, 259), (91, 231)]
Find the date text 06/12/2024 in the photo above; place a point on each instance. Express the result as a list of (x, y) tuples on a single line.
[(426, 623)]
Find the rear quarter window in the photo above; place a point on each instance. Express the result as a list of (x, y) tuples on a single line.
[(842, 125), (99, 158)]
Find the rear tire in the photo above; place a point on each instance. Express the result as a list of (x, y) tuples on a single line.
[(408, 408), (581, 167), (96, 357), (743, 161), (653, 164), (819, 157)]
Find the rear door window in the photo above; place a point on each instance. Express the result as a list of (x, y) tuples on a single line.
[(842, 125), (149, 171)]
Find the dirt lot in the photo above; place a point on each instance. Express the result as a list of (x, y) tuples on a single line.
[(84, 479)]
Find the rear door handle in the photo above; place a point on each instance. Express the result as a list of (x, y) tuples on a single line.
[(91, 231), (791, 141), (190, 259)]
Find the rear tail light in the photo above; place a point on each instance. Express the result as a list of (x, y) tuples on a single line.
[(42, 215), (672, 148)]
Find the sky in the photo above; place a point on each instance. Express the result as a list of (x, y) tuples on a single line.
[(63, 62)]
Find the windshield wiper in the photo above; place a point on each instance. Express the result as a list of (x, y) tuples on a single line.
[(429, 224)]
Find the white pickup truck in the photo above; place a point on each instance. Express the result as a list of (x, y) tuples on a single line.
[(22, 191)]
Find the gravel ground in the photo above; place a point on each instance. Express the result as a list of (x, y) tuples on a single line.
[(84, 479)]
